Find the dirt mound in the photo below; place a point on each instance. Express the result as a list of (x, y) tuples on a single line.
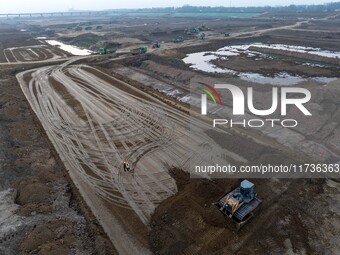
[(170, 73), (178, 221), (84, 40), (53, 238), (111, 45), (32, 191), (182, 178)]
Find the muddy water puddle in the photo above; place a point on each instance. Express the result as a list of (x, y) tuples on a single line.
[(203, 61)]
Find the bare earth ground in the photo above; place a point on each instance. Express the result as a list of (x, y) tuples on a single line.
[(55, 219), (296, 217), (290, 220), (295, 213)]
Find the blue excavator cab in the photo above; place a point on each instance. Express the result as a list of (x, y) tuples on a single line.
[(247, 190)]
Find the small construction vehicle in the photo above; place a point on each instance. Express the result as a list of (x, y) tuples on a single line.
[(202, 36), (156, 44), (140, 50), (104, 51), (240, 203), (203, 28), (194, 30), (179, 39)]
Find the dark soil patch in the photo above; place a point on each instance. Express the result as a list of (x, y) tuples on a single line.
[(188, 222)]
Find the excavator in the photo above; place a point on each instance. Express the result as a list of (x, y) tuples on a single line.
[(240, 203)]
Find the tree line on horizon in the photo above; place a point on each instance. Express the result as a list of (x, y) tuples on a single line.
[(329, 7)]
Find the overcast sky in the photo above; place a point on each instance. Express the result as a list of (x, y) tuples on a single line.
[(12, 6)]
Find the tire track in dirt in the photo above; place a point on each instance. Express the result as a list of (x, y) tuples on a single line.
[(32, 53), (97, 126)]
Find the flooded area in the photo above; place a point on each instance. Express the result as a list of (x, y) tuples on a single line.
[(70, 48), (206, 62)]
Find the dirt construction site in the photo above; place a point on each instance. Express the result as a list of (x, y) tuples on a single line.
[(70, 117)]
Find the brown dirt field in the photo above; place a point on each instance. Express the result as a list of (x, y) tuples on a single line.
[(59, 52), (244, 147), (296, 217), (294, 213), (14, 39), (296, 55), (322, 26), (7, 53), (41, 53), (43, 187), (299, 38), (274, 66), (188, 223)]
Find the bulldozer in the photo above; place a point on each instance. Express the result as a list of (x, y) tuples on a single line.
[(240, 203)]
